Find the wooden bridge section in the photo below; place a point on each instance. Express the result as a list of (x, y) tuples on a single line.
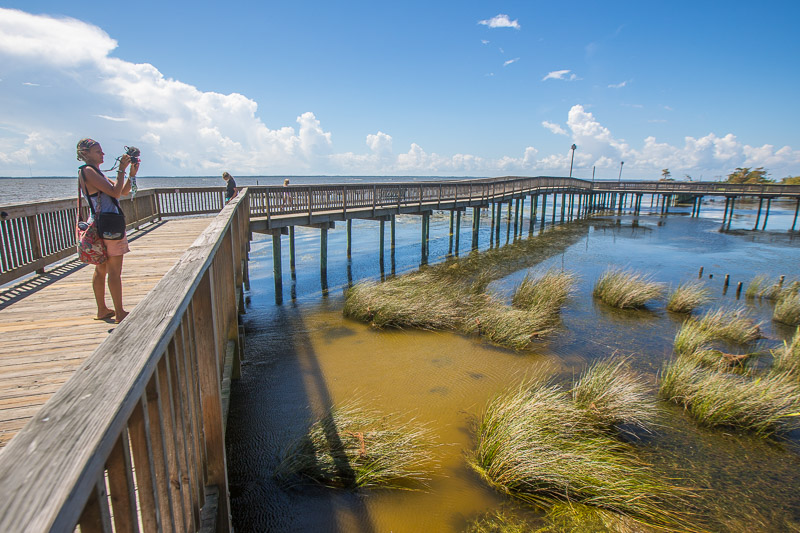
[(125, 431)]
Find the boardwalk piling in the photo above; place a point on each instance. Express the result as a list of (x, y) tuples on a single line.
[(766, 214), (276, 266)]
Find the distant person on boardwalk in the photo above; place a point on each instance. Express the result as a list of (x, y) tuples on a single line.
[(230, 190), (103, 193), (287, 196)]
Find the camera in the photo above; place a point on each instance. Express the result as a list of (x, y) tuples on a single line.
[(134, 153)]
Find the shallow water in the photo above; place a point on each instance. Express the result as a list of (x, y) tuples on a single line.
[(303, 356)]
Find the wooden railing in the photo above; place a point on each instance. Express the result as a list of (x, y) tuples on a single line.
[(698, 187), (35, 235), (134, 441), (304, 200)]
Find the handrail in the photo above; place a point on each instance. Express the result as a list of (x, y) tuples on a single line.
[(35, 235), (137, 432)]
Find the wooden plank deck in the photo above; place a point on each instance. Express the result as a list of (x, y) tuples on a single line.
[(46, 323)]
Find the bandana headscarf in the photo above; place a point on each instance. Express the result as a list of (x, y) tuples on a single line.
[(83, 145)]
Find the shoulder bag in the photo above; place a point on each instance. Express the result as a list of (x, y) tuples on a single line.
[(91, 248)]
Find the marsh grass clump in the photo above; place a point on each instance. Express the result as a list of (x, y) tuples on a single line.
[(731, 325), (786, 360), (764, 405), (545, 291), (763, 287), (688, 296), (355, 447), (535, 444), (625, 289), (613, 394), (787, 310), (512, 328), (422, 300)]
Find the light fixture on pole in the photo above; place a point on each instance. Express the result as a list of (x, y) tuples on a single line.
[(571, 160), (620, 171)]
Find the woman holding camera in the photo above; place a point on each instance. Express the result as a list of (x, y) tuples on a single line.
[(103, 192)]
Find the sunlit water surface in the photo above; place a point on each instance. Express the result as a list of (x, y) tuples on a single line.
[(303, 356)]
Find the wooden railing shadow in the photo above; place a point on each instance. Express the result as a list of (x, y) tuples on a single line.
[(134, 440), (25, 288), (280, 394)]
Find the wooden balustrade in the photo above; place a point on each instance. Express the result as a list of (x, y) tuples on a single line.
[(134, 441)]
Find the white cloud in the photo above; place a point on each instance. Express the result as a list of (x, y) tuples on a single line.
[(619, 85), (183, 130), (510, 61), (555, 128), (561, 75), (500, 21), (484, 41), (30, 84)]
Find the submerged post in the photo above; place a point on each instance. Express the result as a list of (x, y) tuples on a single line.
[(380, 240), (276, 266), (758, 214), (349, 237), (291, 253), (766, 214), (458, 229), (544, 208), (796, 211), (323, 251), (476, 225)]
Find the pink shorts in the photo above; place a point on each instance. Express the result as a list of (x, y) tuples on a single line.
[(119, 247)]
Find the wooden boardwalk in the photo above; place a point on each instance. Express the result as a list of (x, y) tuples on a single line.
[(47, 326)]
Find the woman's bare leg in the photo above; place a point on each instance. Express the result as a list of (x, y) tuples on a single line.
[(114, 269), (99, 288)]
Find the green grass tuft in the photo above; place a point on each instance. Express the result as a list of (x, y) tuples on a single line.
[(625, 289), (786, 360), (355, 447), (611, 393), (545, 291), (535, 444), (498, 522), (763, 405), (787, 310), (688, 297)]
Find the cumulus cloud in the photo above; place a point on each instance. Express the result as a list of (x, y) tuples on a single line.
[(560, 75), (184, 130), (555, 128), (500, 21)]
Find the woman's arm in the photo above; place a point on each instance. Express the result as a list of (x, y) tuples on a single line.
[(96, 182), (126, 189)]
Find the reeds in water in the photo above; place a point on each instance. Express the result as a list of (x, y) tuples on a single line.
[(355, 447), (545, 291), (763, 287), (613, 394), (688, 296), (733, 325), (786, 360), (498, 522), (763, 405), (535, 444), (787, 310), (625, 289), (512, 328)]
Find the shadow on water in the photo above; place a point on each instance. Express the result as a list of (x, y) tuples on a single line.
[(285, 391)]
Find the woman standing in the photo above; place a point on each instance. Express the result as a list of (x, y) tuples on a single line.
[(103, 192), (230, 188)]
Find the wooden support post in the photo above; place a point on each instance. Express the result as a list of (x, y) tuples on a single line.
[(349, 237), (730, 214), (766, 214), (563, 205), (738, 290), (699, 203), (725, 213), (508, 220), (323, 251), (276, 266), (392, 235), (476, 226), (758, 214), (532, 216), (555, 199), (516, 215), (451, 223), (382, 225), (544, 208), (796, 211), (291, 253), (458, 230), (497, 222)]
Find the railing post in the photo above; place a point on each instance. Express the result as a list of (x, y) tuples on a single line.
[(203, 312), (33, 236)]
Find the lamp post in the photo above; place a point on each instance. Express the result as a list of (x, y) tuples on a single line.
[(620, 171), (571, 160)]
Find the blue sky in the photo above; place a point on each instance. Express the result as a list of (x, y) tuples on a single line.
[(403, 88)]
